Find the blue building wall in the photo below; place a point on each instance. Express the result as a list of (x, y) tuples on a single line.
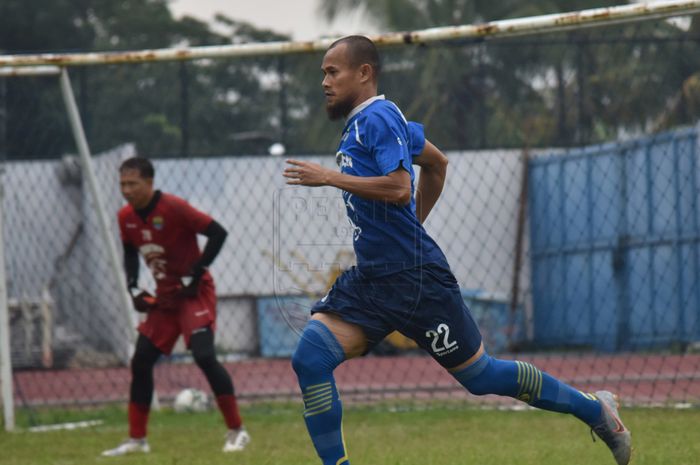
[(615, 238)]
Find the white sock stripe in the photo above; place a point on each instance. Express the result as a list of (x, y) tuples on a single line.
[(318, 392), (310, 390), (317, 410), (313, 403)]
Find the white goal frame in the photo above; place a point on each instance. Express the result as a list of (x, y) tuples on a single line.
[(107, 236)]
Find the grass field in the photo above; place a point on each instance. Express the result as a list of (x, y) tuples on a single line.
[(438, 436)]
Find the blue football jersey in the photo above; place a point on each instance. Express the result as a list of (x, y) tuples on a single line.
[(377, 140)]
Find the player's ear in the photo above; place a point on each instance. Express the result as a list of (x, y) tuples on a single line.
[(365, 73)]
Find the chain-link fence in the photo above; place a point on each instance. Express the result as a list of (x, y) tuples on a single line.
[(583, 260)]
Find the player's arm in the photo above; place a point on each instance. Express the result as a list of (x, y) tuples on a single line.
[(382, 136), (433, 164), (131, 265), (216, 236), (142, 300), (395, 187)]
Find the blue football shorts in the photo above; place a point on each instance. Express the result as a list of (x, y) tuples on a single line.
[(423, 303)]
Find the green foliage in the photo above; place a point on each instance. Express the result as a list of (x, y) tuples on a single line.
[(577, 88), (555, 89), (145, 103)]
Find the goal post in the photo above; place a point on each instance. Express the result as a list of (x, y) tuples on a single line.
[(108, 239), (106, 233), (5, 350), (8, 406)]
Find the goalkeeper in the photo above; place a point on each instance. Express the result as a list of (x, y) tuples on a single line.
[(164, 228)]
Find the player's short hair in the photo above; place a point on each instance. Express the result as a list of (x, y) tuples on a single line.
[(140, 164), (361, 50)]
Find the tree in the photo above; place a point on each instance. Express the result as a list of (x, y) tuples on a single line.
[(547, 90), (553, 89), (151, 104)]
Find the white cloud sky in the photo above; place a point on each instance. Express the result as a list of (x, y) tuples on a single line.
[(299, 18)]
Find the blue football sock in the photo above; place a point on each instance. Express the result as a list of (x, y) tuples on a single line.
[(314, 360), (526, 383)]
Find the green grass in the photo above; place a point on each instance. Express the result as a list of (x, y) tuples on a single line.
[(439, 436)]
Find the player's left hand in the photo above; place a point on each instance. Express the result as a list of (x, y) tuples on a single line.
[(190, 286), (143, 301), (190, 282), (305, 173)]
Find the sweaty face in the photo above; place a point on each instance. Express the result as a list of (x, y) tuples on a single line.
[(341, 82), (136, 189)]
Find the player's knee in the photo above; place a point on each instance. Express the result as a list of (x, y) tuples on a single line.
[(490, 376), (298, 364), (479, 386), (145, 356), (318, 351), (141, 363), (202, 347), (205, 358), (477, 378), (303, 362)]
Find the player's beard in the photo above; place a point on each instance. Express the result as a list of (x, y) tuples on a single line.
[(339, 109)]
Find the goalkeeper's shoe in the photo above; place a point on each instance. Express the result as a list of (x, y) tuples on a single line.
[(129, 446), (236, 440), (611, 430)]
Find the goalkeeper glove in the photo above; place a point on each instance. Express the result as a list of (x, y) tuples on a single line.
[(142, 300)]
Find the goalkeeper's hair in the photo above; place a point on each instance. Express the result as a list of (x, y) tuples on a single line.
[(140, 164), (361, 50)]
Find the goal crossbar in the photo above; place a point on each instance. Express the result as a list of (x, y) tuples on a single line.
[(596, 17), (12, 71)]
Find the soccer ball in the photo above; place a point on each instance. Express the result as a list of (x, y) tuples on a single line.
[(191, 400)]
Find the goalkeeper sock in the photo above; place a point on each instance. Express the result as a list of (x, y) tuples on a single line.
[(202, 345), (138, 419), (526, 383), (229, 409), (314, 360)]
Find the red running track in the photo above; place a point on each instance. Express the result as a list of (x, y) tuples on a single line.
[(638, 379)]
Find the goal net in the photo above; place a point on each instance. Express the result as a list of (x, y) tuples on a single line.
[(570, 214)]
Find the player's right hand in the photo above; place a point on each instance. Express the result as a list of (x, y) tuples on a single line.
[(143, 301)]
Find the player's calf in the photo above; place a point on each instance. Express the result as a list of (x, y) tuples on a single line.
[(314, 360), (527, 383)]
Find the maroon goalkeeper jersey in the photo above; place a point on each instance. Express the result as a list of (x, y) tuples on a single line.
[(167, 238)]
